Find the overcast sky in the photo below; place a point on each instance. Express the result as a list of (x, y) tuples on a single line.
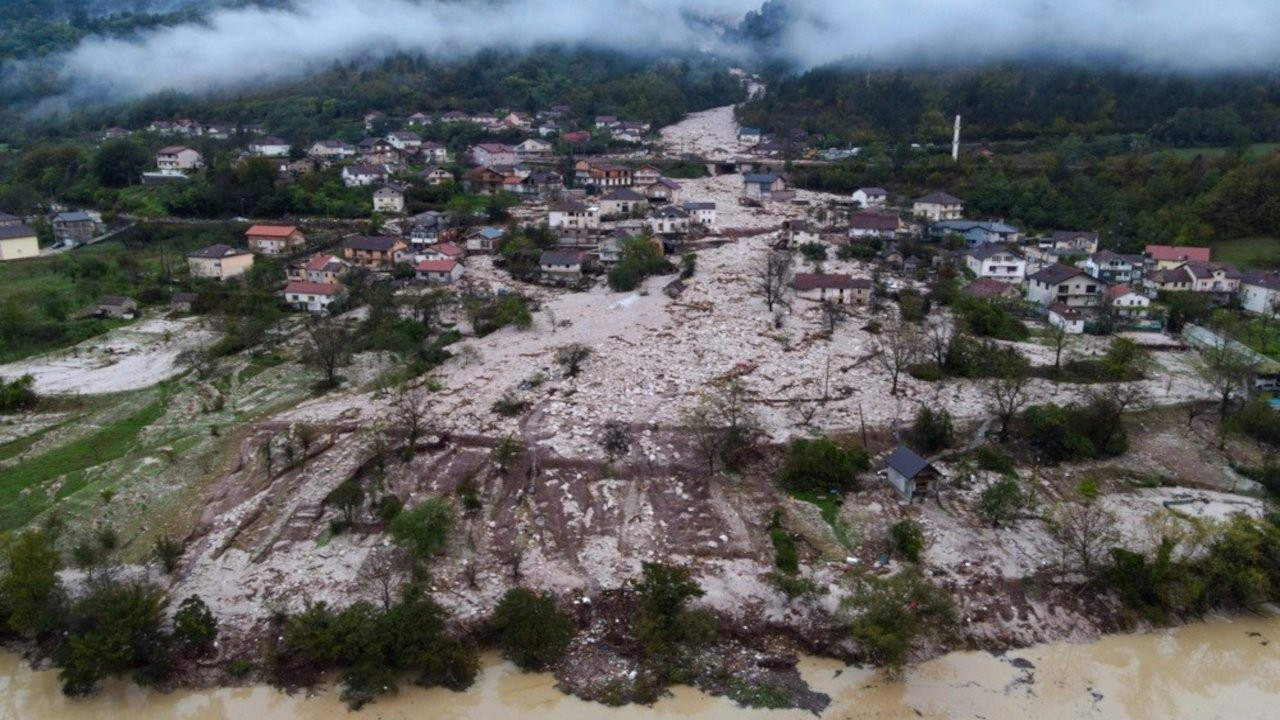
[(238, 46)]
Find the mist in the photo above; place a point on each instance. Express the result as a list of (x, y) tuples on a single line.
[(252, 45)]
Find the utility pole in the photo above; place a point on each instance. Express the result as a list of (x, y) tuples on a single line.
[(955, 141)]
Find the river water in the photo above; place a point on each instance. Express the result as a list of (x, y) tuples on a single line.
[(1217, 669)]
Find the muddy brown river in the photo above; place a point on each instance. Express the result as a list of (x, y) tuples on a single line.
[(1217, 669)]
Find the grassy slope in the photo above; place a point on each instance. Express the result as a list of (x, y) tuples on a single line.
[(1249, 253)]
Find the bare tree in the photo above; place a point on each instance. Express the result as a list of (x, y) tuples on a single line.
[(832, 316), (899, 348), (571, 357), (198, 359), (386, 569), (328, 348), (1059, 339), (615, 439), (1008, 395), (706, 436), (1085, 530), (773, 277), (938, 340), (506, 452), (1226, 368), (722, 423), (412, 411)]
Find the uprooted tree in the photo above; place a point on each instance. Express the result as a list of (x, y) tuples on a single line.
[(772, 278)]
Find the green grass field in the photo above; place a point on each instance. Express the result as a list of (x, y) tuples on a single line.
[(1249, 253)]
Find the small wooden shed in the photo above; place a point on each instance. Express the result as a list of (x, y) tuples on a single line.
[(910, 474)]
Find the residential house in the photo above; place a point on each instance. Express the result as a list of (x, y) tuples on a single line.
[(645, 175), (435, 175), (183, 301), (874, 223), (362, 175), (701, 213), (1176, 279), (484, 181), (378, 151), (443, 272), (485, 239), (799, 232), (433, 152), (404, 140), (1111, 267), (115, 133), (321, 268), (1260, 292), (669, 220), (418, 119), (571, 214), (117, 306), (663, 191), (609, 249), (1063, 284), (602, 174), (489, 154), (219, 262), (269, 147), (1123, 300), (427, 228), (373, 252), (871, 197), (996, 261), (762, 186), (389, 198), (546, 183), (74, 228), (910, 474), (444, 251), (577, 137), (622, 201), (989, 288), (561, 265), (629, 132), (533, 149), (1074, 241), (839, 289), (332, 150), (1167, 257), (606, 121), (178, 158), (454, 116), (372, 118), (517, 120), (310, 296), (975, 232), (7, 220), (274, 239), (1221, 279), (749, 135), (938, 206), (1069, 318)]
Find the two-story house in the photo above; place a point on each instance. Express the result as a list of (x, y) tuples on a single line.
[(1260, 292), (996, 261), (178, 158), (363, 175), (1072, 241), (373, 252), (562, 265), (870, 197), (312, 297), (825, 287), (574, 215), (269, 147), (404, 140), (1220, 279), (389, 198), (1124, 301), (938, 206), (762, 186), (701, 213), (622, 201), (975, 232), (1063, 284), (490, 154), (74, 228), (441, 272), (321, 268), (669, 220), (874, 224), (1168, 257), (274, 239), (219, 262), (1111, 267)]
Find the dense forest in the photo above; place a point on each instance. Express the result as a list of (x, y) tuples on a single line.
[(1020, 101)]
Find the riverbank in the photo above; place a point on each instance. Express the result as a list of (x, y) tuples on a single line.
[(1225, 667)]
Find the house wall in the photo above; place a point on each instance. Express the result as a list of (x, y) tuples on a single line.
[(903, 484), (1074, 327), (220, 268), (1258, 300), (19, 248)]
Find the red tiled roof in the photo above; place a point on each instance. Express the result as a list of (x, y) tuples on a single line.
[(436, 266), (446, 249), (814, 281), (271, 231), (310, 288), (1175, 253)]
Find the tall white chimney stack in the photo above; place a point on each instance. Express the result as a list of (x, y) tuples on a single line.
[(955, 141)]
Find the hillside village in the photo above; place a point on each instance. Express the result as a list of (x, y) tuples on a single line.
[(605, 350)]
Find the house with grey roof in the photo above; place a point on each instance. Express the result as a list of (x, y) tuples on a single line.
[(910, 474), (762, 186)]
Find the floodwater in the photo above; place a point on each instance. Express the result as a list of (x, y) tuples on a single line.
[(1216, 669)]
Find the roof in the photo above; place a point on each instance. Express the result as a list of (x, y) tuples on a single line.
[(1116, 291), (671, 212), (940, 198), (1066, 312), (986, 288), (1066, 235), (379, 243), (759, 179), (6, 217), (1171, 275), (626, 194), (390, 186), (699, 206), (214, 252), (490, 233), (1172, 253), (571, 206), (906, 462), (76, 216), (320, 261), (1056, 273), (495, 148), (363, 169), (404, 135), (963, 226), (280, 231), (173, 150), (987, 250), (1261, 278), (310, 288), (269, 140), (116, 300), (872, 191), (871, 220), (815, 281), (1209, 269), (446, 249), (436, 266), (560, 257)]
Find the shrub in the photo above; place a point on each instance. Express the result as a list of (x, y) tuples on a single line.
[(424, 530), (856, 251), (932, 430), (907, 539), (988, 319), (532, 631), (892, 613), (194, 627), (786, 557), (114, 629), (167, 552), (993, 460), (912, 307), (814, 252), (18, 394), (389, 507), (823, 464), (793, 585), (1002, 502), (928, 372), (665, 623)]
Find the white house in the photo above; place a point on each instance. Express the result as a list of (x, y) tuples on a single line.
[(910, 474), (762, 186), (1075, 241), (178, 158), (996, 261), (434, 152), (572, 214), (1111, 267), (1124, 300), (1260, 292), (269, 147), (332, 149), (561, 264), (404, 140), (362, 175), (669, 220), (388, 198), (938, 206), (1220, 278), (1062, 316), (435, 175), (622, 201), (312, 297), (702, 213), (1063, 284), (490, 154), (840, 289), (533, 148), (871, 197), (444, 272), (444, 251)]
